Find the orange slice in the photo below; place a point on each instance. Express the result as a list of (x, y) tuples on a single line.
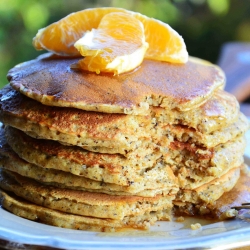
[(165, 44), (118, 45)]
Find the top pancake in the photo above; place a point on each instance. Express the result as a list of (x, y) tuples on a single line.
[(51, 81)]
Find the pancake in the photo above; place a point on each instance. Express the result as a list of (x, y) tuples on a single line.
[(149, 173), (77, 202), (195, 166), (219, 111), (221, 208), (238, 195), (49, 80), (185, 134), (116, 131), (9, 160), (211, 191), (162, 135), (30, 211), (85, 149)]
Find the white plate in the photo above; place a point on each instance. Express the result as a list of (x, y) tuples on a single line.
[(164, 235)]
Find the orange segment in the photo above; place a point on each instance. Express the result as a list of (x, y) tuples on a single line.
[(118, 45), (59, 37), (165, 44)]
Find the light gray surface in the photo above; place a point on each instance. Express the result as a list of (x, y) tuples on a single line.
[(165, 235)]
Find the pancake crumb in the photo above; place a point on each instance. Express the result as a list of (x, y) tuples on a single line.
[(231, 213), (195, 226), (180, 219)]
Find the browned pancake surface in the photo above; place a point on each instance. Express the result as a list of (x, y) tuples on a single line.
[(73, 126), (51, 81), (132, 175)]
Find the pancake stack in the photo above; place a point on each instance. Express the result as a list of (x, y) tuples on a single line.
[(107, 153)]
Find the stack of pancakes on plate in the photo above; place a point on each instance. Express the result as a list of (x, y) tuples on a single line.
[(104, 153)]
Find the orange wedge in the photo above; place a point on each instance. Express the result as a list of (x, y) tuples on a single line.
[(117, 45), (165, 44)]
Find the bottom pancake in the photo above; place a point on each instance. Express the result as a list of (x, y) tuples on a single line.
[(22, 208), (98, 205), (219, 208)]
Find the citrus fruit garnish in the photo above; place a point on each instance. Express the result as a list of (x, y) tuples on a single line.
[(117, 45), (165, 44)]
